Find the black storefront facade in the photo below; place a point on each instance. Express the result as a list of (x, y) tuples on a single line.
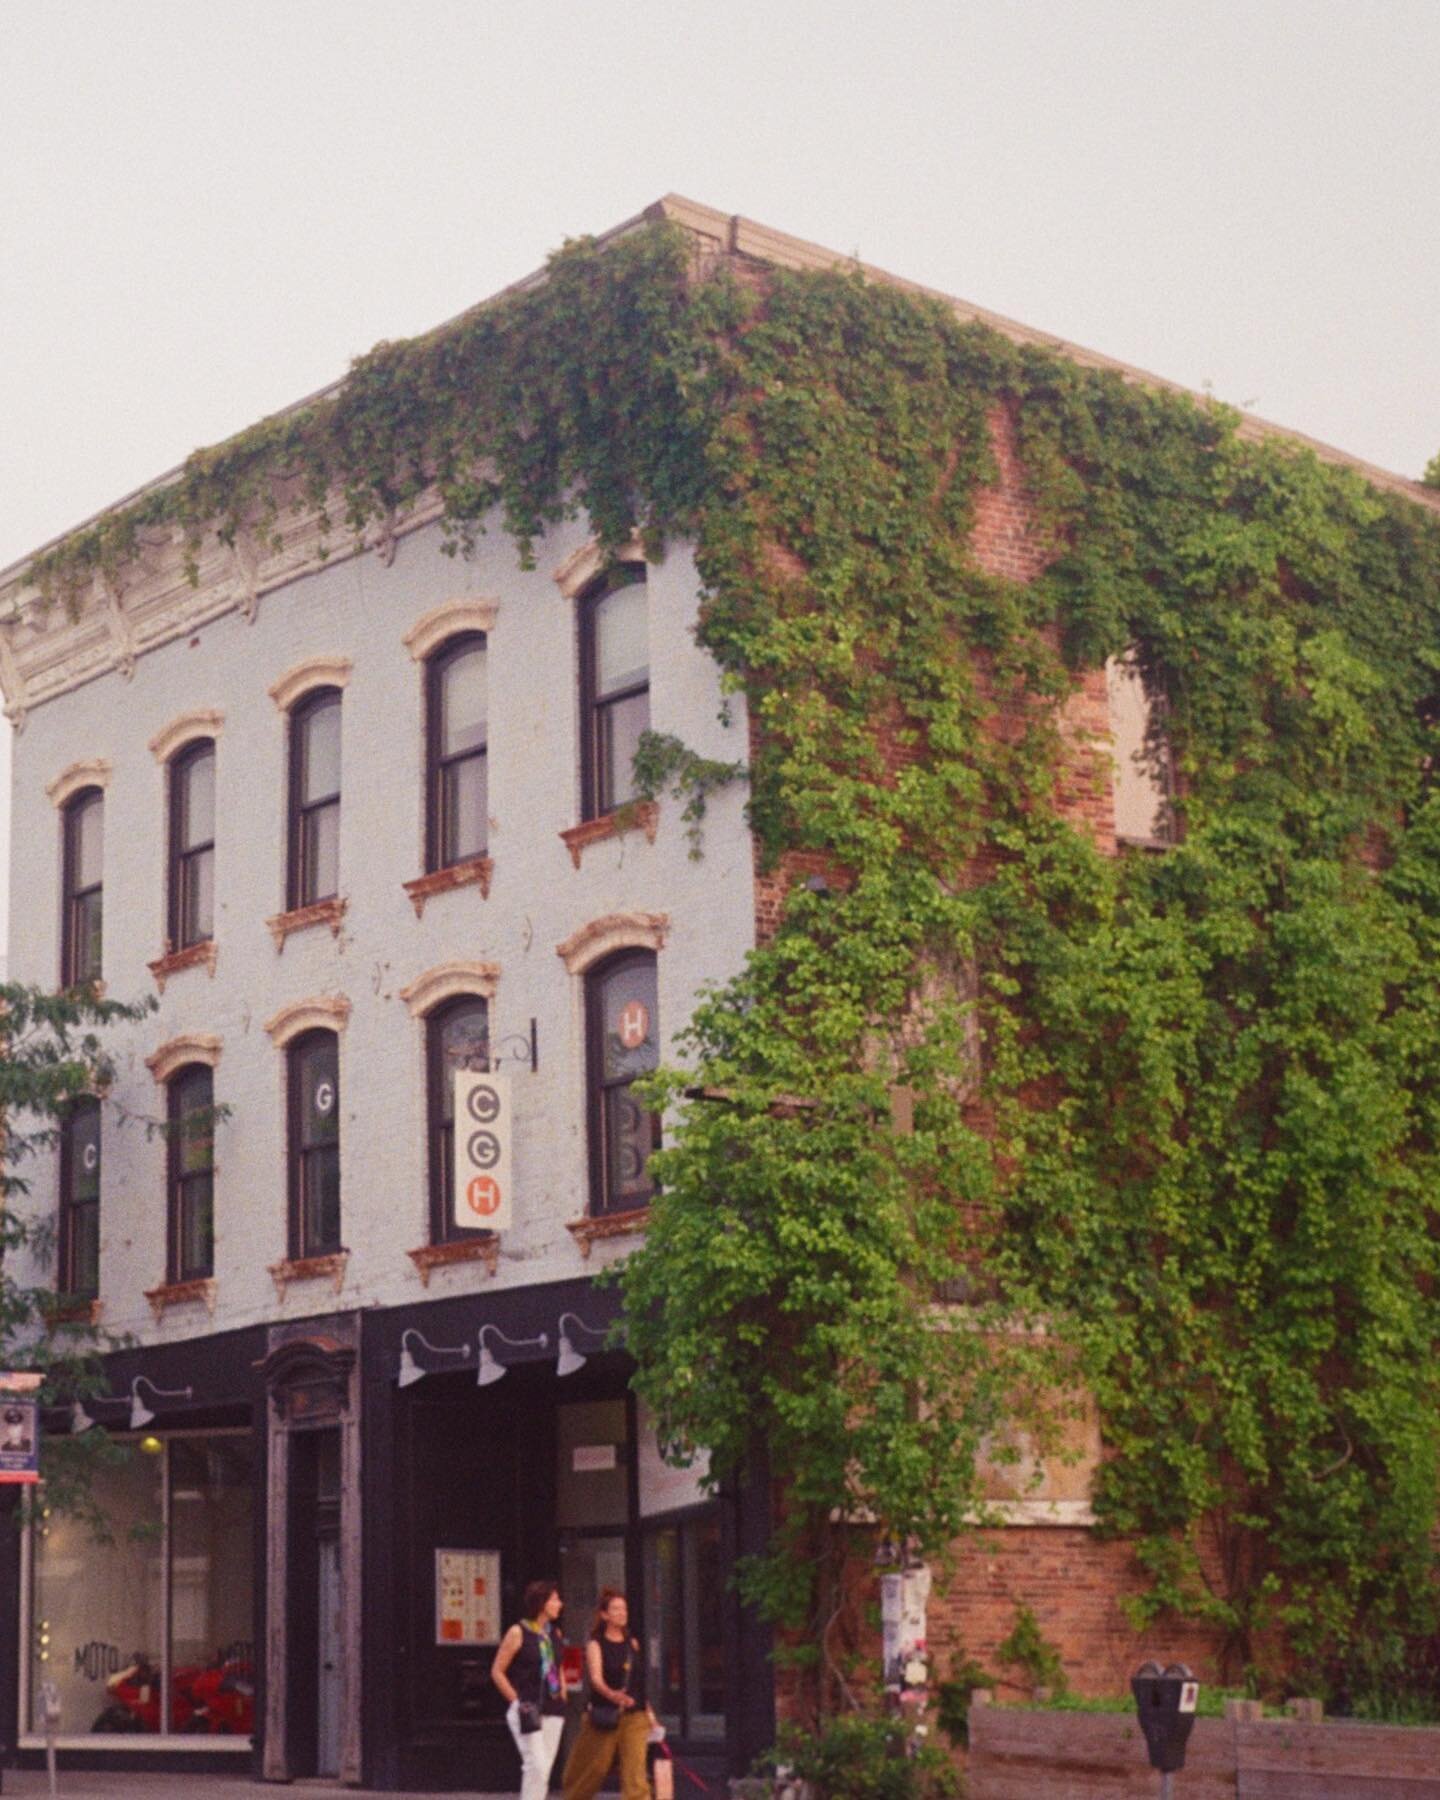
[(376, 1509)]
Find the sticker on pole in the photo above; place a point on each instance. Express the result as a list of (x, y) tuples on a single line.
[(1189, 1694), (483, 1169)]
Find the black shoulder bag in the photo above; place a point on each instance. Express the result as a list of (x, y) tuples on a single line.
[(605, 1714)]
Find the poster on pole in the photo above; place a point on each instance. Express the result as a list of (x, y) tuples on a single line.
[(483, 1169), (19, 1439), (467, 1597)]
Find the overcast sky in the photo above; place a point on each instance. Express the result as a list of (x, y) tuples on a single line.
[(208, 206)]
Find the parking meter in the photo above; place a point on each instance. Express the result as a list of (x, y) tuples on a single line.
[(1165, 1701)]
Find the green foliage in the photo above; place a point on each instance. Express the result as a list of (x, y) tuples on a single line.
[(953, 1695), (1185, 1109), (663, 762), (51, 1054), (1030, 1651), (857, 1758), (1431, 477)]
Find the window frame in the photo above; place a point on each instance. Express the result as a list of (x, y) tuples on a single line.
[(70, 1204), (296, 1151), (597, 1088), (181, 857), (440, 1137), (71, 975), (595, 803), (300, 812), (176, 1178), (437, 764)]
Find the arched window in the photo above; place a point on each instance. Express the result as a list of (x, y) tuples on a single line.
[(614, 687), (457, 1036), (456, 735), (190, 1107), (623, 1043), (191, 909), (314, 1084), (78, 1247), (84, 842), (314, 855)]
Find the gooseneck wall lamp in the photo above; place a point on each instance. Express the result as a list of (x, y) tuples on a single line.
[(490, 1368), (140, 1414), (569, 1360), (410, 1370)]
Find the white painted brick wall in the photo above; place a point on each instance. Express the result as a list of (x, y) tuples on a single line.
[(359, 608)]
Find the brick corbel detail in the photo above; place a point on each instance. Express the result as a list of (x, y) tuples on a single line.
[(205, 722), (639, 815), (475, 871), (179, 1052), (329, 1268), (586, 1232), (174, 962), (302, 918), (448, 620), (430, 1257), (326, 1012), (615, 931), (93, 772)]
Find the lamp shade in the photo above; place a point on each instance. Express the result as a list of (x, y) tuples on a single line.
[(410, 1370), (490, 1369), (140, 1414), (80, 1420), (569, 1360)]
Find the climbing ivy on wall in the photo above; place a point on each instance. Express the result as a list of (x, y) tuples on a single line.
[(993, 1112)]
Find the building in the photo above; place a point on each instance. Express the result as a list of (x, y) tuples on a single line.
[(361, 817)]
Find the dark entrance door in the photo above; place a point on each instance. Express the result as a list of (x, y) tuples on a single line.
[(314, 1605)]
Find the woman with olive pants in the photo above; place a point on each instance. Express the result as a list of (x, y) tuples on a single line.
[(615, 1671)]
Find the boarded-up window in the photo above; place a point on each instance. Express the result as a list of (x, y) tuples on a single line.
[(1144, 813)]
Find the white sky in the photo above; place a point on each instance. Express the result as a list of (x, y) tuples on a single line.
[(208, 206)]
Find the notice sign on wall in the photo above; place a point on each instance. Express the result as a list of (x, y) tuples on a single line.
[(483, 1176), (467, 1596)]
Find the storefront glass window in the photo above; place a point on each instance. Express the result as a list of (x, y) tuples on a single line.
[(684, 1579), (98, 1621)]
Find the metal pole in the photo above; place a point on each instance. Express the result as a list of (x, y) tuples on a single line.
[(1167, 1787)]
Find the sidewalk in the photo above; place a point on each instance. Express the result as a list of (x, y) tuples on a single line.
[(102, 1784)]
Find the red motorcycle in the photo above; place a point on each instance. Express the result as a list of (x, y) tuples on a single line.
[(217, 1698)]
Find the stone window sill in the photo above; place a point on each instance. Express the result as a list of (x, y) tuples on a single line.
[(475, 871), (182, 1293), (430, 1257), (301, 918), (586, 1232), (74, 1312), (310, 1268), (639, 815), (193, 956)]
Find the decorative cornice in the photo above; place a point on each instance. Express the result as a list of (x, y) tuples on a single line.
[(588, 1232), (300, 918), (448, 620), (181, 1293), (448, 981), (329, 1268), (582, 566), (475, 871), (430, 1257), (635, 815), (322, 1012), (304, 677), (179, 1052), (616, 931), (175, 962), (203, 722), (94, 771)]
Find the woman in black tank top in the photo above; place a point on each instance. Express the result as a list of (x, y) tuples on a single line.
[(527, 1672), (618, 1721)]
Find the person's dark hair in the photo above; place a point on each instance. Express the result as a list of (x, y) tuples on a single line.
[(606, 1596), (536, 1594)]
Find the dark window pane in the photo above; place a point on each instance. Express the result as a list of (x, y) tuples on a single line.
[(320, 853), (622, 651), (320, 751), (194, 1121), (197, 897), (618, 726), (319, 1074), (85, 1249), (464, 1044), (463, 702), (628, 1012), (86, 928), (320, 1200), (197, 800), (88, 843), (464, 809), (196, 1227), (707, 1679), (632, 1131)]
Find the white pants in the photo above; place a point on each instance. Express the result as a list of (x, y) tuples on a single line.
[(537, 1751)]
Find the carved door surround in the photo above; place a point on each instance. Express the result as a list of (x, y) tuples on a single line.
[(312, 1383)]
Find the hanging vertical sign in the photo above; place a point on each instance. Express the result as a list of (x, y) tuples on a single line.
[(483, 1170)]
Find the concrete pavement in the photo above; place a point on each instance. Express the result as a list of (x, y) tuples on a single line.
[(102, 1784)]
